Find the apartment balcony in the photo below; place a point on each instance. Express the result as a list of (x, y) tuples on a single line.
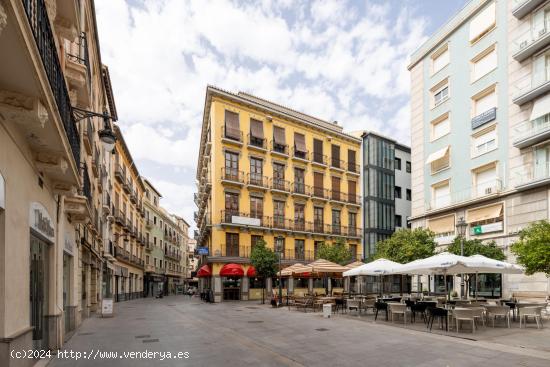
[(258, 144), (484, 118), (133, 196), (532, 86), (232, 176), (354, 169), (95, 163), (148, 224), (280, 150), (531, 176), (353, 232), (320, 193), (227, 250), (529, 133), (149, 268), (232, 139), (242, 219), (279, 222), (300, 156), (279, 185), (148, 245), (196, 199), (300, 189), (257, 181), (301, 226), (353, 200), (119, 217), (298, 255), (338, 196), (337, 164), (521, 8), (319, 227), (127, 186), (482, 191), (531, 41), (119, 174), (319, 159), (122, 254)]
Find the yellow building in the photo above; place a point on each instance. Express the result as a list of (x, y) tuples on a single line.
[(272, 173), (128, 224)]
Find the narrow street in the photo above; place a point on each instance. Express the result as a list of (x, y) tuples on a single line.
[(246, 333)]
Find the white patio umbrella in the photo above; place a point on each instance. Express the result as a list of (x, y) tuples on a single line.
[(377, 267), (483, 264)]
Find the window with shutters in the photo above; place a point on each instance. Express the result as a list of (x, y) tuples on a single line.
[(484, 101), (336, 195), (441, 194), (352, 197), (299, 181), (352, 224), (278, 214), (299, 217), (485, 180), (279, 140), (257, 133), (440, 58), (318, 156), (352, 166), (484, 141), (300, 146), (318, 219), (256, 207), (231, 206), (335, 157), (484, 63), (440, 93), (279, 176), (232, 128), (440, 127), (483, 22), (231, 166), (256, 172), (231, 244), (318, 189), (336, 222)]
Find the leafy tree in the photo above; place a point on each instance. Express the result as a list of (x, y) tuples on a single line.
[(265, 262), (406, 245), (533, 248), (477, 247), (337, 252)]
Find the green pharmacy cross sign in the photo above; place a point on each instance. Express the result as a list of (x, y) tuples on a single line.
[(478, 230)]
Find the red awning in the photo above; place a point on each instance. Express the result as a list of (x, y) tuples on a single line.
[(204, 271), (231, 270), (251, 272)]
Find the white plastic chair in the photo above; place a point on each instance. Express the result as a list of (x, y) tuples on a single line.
[(497, 311), (353, 304), (398, 309), (531, 311), (464, 314)]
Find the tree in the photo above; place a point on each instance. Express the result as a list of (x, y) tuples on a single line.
[(477, 247), (406, 245), (264, 261), (337, 252), (533, 248)]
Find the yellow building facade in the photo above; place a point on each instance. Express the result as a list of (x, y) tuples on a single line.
[(128, 224), (272, 173)]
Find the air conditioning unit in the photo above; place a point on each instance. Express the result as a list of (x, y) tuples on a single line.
[(542, 32), (488, 190)]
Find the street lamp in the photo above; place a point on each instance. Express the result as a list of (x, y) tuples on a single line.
[(461, 227), (279, 250), (106, 135)]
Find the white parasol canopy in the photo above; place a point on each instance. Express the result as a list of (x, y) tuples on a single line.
[(483, 264), (377, 267)]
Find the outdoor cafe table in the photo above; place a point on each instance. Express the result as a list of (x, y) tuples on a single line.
[(515, 306)]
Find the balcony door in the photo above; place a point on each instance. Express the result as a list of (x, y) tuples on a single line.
[(542, 160), (231, 206), (318, 219), (299, 217), (232, 244), (299, 181), (256, 171), (231, 166), (256, 207)]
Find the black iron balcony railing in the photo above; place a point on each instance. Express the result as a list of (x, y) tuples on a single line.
[(300, 189), (39, 22), (352, 167), (81, 55), (232, 174), (88, 134), (336, 195), (280, 184), (300, 225), (233, 135), (234, 250), (256, 219), (321, 193), (335, 229), (354, 199), (119, 174), (279, 148), (256, 179), (319, 158), (353, 231), (279, 222), (337, 163), (318, 227), (257, 142), (299, 154)]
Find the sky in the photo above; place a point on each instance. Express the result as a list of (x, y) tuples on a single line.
[(339, 60)]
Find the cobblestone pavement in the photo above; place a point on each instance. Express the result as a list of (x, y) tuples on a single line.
[(249, 334)]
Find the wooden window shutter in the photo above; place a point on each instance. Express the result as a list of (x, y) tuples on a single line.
[(351, 156), (335, 183), (256, 129), (300, 142), (351, 188), (279, 135), (318, 146), (232, 128), (335, 152), (318, 179)]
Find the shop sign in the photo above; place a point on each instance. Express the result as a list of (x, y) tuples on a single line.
[(487, 228), (202, 251), (245, 221), (41, 221), (2, 193), (107, 307)]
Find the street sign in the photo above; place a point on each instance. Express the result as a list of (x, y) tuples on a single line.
[(202, 250), (487, 228), (107, 307)]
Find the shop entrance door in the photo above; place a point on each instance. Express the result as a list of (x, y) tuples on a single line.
[(39, 292)]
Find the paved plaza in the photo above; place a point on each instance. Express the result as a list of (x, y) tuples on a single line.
[(249, 334)]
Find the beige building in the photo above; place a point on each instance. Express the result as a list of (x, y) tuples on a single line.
[(53, 171), (480, 132)]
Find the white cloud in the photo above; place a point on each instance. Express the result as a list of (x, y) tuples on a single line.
[(338, 60)]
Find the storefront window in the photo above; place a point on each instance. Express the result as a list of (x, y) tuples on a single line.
[(439, 284), (488, 285), (256, 283), (301, 283)]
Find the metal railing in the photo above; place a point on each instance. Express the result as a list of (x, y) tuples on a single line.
[(256, 142), (279, 184), (299, 154), (119, 174), (336, 195), (353, 167), (320, 192), (279, 148), (528, 129), (232, 174), (354, 199), (300, 188), (256, 218), (256, 179), (86, 186), (234, 138), (531, 173), (337, 163), (319, 158), (39, 22), (234, 250), (537, 32)]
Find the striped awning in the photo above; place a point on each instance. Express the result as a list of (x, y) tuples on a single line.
[(355, 264), (321, 266), (288, 271)]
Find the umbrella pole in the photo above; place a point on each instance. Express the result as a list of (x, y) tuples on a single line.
[(445, 280), (475, 291)]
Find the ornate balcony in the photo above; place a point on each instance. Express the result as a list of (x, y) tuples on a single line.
[(256, 180), (256, 143), (320, 193), (280, 185), (232, 176), (300, 189), (319, 159), (279, 149), (300, 156)]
